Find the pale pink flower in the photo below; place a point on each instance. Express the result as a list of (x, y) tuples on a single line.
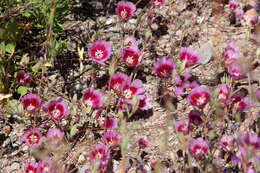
[(46, 166), (125, 9), (31, 102), (158, 3), (55, 134), (32, 137), (100, 51), (254, 20), (130, 40), (164, 67), (233, 4), (182, 127), (189, 56), (236, 71), (57, 108), (239, 13), (224, 93), (145, 103), (226, 142)]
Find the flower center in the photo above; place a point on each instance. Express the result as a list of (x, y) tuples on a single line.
[(99, 54), (30, 107), (222, 96), (128, 93), (123, 13), (201, 100), (88, 102), (33, 138), (56, 113), (164, 73), (130, 59), (157, 2), (198, 151)]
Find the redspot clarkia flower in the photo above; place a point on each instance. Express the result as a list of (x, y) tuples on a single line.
[(190, 56), (57, 108), (224, 93), (23, 78), (99, 153), (233, 4), (112, 138), (231, 53), (244, 104), (195, 117), (125, 9), (55, 134), (32, 137), (110, 123), (134, 88), (182, 127), (236, 71), (129, 40), (199, 96), (164, 67), (145, 103), (31, 102), (46, 166), (226, 142), (158, 3), (31, 167), (100, 51), (118, 81), (250, 140), (93, 98), (142, 143), (239, 13), (131, 56), (198, 147)]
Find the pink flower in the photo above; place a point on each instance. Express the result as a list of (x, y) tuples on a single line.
[(46, 166), (118, 81), (226, 141), (244, 104), (130, 40), (224, 93), (164, 67), (93, 98), (231, 53), (182, 127), (55, 134), (189, 55), (99, 153), (145, 103), (250, 140), (254, 20), (57, 108), (233, 4), (134, 88), (131, 56), (199, 96), (31, 102), (158, 3), (239, 13), (124, 105), (198, 147), (112, 138), (125, 9), (109, 123), (23, 78), (32, 137), (142, 143), (100, 51), (195, 117), (31, 167)]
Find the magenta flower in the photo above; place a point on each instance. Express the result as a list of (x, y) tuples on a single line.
[(164, 67), (31, 167), (233, 4), (112, 138), (258, 94), (130, 40), (134, 88), (189, 56), (199, 96), (182, 127), (145, 103), (250, 140), (244, 104), (254, 20), (131, 56), (231, 53), (23, 78), (100, 154), (226, 142), (125, 9), (239, 13), (55, 134), (57, 109), (32, 137), (110, 123), (93, 98), (31, 102), (158, 3), (142, 143), (118, 81), (224, 93), (46, 166), (195, 117), (100, 51), (198, 147)]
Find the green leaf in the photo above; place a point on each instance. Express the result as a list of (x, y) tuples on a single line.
[(22, 90), (73, 131), (9, 48)]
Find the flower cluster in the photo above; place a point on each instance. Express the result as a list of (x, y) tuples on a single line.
[(23, 78), (44, 166)]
